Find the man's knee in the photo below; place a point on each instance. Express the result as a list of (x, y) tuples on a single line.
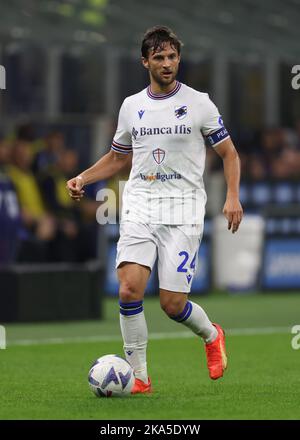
[(173, 306), (133, 280), (128, 292)]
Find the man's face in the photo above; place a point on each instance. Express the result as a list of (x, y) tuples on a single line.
[(163, 64)]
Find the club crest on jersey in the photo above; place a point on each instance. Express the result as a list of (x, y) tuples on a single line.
[(158, 155), (181, 112), (141, 112)]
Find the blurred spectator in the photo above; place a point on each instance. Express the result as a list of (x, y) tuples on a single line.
[(54, 182), (40, 225), (48, 156), (271, 142), (286, 166), (58, 202), (256, 168), (9, 211), (26, 132), (76, 238)]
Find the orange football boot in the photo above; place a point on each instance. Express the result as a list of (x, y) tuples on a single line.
[(141, 387), (216, 355)]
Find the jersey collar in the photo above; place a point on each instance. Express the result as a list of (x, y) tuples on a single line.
[(163, 95)]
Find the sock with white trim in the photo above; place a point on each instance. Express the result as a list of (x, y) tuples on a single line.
[(135, 336), (195, 318)]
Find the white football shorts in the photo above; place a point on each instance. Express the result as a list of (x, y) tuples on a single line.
[(176, 247)]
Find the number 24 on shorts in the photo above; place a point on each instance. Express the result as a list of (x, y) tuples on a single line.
[(181, 267)]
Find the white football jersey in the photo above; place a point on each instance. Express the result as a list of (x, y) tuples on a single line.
[(166, 134)]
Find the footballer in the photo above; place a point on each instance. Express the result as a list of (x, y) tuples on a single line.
[(162, 134)]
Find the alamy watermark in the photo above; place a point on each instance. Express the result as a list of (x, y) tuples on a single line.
[(151, 206), (296, 339), (2, 78), (2, 338), (296, 79)]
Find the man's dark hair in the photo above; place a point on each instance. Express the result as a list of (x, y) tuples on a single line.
[(156, 38)]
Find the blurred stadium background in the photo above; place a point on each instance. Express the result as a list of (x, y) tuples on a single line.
[(69, 64)]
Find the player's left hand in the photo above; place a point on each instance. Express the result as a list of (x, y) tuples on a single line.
[(233, 211)]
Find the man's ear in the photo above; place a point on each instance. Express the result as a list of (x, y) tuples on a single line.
[(145, 62)]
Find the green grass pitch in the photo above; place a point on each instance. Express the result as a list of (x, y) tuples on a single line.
[(43, 371)]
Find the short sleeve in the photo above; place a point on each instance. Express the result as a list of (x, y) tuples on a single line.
[(122, 138), (213, 128)]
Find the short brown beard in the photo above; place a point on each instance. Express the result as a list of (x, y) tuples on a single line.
[(161, 82)]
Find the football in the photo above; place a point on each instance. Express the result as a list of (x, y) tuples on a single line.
[(111, 375)]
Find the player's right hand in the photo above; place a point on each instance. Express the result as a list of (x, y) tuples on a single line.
[(74, 187)]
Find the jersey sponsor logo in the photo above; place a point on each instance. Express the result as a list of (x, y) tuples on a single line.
[(181, 111), (158, 155), (177, 129), (160, 176), (141, 112)]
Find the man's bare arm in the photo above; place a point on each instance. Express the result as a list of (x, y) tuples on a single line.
[(232, 210), (109, 165)]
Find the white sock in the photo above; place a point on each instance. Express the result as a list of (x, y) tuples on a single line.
[(195, 318), (135, 336)]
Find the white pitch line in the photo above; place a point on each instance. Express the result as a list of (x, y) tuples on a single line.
[(157, 336)]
